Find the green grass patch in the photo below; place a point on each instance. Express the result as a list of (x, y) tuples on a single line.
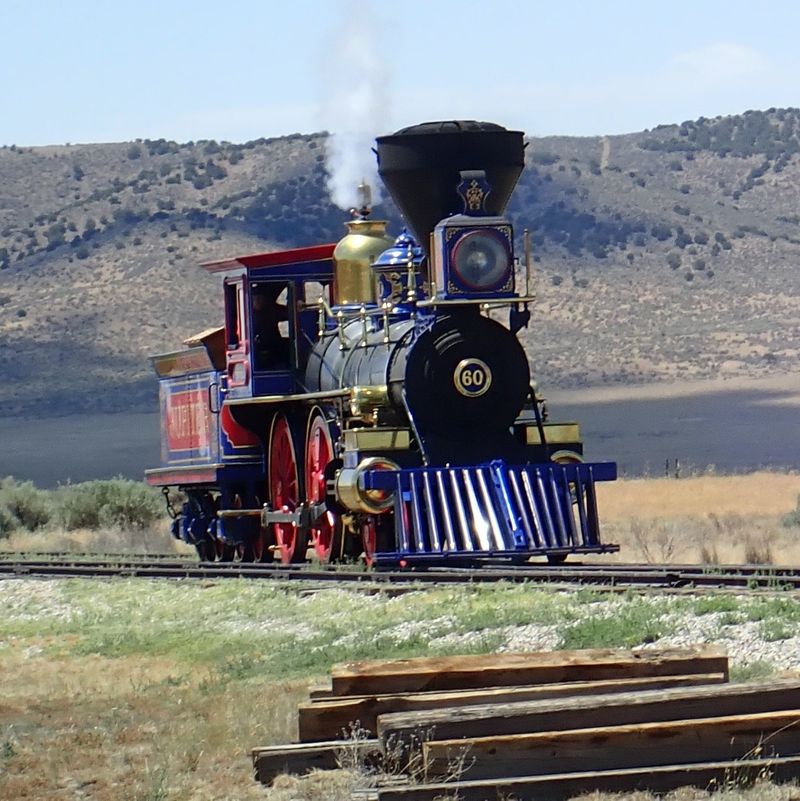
[(636, 621), (752, 671), (786, 609), (730, 618), (711, 604), (774, 629), (239, 631)]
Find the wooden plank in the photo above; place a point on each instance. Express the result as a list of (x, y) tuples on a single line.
[(496, 670), (558, 787), (559, 714), (332, 718), (321, 690), (709, 739), (300, 758)]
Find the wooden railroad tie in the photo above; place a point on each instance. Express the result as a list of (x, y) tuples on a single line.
[(551, 724)]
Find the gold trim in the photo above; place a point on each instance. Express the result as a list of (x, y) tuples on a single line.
[(377, 439), (364, 400), (351, 493), (473, 301), (463, 378), (554, 433), (330, 394), (182, 363), (156, 471), (239, 513)]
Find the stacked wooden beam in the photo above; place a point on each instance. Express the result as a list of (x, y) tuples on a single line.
[(549, 724)]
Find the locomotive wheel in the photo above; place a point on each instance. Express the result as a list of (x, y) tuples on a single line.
[(375, 537), (284, 490), (206, 550), (267, 543), (251, 551), (568, 457), (256, 549), (225, 553), (369, 538), (326, 534)]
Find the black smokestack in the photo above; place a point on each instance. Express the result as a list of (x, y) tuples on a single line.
[(421, 168)]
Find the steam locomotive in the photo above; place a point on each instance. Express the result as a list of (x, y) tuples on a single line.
[(370, 398)]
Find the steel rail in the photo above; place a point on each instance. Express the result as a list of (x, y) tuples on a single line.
[(600, 576)]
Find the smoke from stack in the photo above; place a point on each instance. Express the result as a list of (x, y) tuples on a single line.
[(355, 103)]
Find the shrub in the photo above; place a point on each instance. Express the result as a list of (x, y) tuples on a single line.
[(113, 502), (544, 158), (661, 232), (7, 522), (793, 518), (30, 507)]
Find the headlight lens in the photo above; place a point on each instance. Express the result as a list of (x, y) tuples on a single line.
[(481, 260)]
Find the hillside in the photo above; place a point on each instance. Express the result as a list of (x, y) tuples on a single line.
[(664, 254)]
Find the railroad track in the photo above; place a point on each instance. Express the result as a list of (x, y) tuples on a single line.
[(607, 576)]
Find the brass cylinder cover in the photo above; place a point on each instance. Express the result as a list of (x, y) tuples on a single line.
[(351, 493), (354, 281)]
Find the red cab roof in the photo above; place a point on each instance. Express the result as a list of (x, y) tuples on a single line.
[(278, 258)]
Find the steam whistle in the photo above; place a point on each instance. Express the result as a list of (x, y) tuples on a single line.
[(364, 208)]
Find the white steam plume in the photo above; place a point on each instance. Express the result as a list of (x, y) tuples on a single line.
[(355, 102)]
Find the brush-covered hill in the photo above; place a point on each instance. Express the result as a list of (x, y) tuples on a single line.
[(665, 254)]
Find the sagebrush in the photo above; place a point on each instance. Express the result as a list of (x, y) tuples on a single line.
[(116, 502)]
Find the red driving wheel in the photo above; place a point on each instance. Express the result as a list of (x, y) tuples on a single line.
[(284, 490), (319, 454), (369, 539)]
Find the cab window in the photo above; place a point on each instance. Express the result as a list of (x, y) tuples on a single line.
[(233, 315), (270, 326)]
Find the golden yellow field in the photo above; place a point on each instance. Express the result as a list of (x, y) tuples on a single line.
[(713, 519), (754, 495)]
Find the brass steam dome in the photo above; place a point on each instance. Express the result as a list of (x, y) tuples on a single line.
[(354, 281)]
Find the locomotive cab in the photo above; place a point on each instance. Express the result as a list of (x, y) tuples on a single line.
[(271, 317)]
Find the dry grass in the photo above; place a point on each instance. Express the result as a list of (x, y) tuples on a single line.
[(134, 728), (703, 519), (158, 725), (761, 791), (755, 495), (156, 539), (156, 691)]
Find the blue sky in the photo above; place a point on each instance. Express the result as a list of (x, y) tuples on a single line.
[(90, 71)]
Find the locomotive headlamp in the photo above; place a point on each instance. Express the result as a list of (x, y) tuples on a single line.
[(481, 260), (472, 253), (473, 259)]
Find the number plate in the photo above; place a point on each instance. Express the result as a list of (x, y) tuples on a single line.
[(472, 377)]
